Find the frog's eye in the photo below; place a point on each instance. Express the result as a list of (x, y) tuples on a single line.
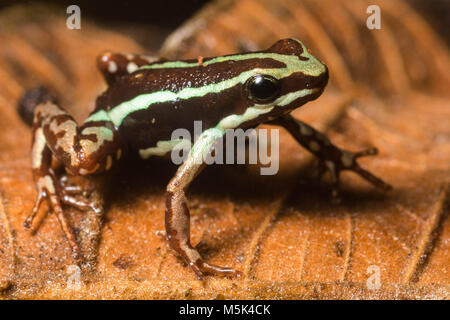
[(262, 88)]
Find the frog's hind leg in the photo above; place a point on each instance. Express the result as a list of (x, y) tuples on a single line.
[(83, 150), (114, 65), (331, 158), (177, 217)]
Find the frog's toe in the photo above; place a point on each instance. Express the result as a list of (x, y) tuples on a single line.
[(76, 196), (349, 162), (55, 202), (28, 223), (367, 175), (366, 152), (48, 188), (81, 203), (209, 269)]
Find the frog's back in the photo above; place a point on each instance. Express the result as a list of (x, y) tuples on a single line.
[(150, 103)]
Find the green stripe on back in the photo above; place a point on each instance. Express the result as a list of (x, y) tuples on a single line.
[(236, 57), (184, 64)]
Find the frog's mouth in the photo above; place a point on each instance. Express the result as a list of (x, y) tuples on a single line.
[(320, 81), (298, 98), (287, 99)]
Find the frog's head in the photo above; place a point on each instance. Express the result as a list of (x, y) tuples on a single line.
[(298, 78)]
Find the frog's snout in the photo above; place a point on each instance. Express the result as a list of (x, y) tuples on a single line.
[(321, 80)]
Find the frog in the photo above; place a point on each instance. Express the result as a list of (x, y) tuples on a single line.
[(148, 98)]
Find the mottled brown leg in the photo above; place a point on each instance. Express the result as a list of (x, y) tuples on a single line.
[(177, 217), (331, 158), (83, 150), (114, 65), (48, 189)]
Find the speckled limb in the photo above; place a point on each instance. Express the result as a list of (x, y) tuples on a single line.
[(331, 158), (177, 216), (86, 149), (83, 150)]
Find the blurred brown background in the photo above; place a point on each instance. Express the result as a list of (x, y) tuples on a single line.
[(388, 88), (165, 16)]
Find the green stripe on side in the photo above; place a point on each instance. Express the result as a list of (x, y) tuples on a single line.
[(230, 122)]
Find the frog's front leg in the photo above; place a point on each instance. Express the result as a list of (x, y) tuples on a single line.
[(83, 150), (114, 65), (331, 158), (177, 217)]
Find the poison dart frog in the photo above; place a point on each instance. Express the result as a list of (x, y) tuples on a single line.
[(147, 99)]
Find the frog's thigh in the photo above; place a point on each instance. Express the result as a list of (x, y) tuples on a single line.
[(83, 150), (113, 65)]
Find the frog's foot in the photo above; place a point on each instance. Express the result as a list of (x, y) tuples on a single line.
[(202, 268), (77, 197), (193, 259), (190, 256), (348, 161), (49, 189)]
